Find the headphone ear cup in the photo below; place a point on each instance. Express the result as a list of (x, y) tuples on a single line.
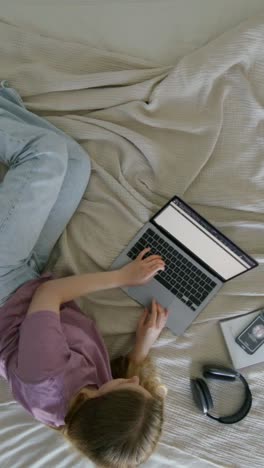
[(201, 395)]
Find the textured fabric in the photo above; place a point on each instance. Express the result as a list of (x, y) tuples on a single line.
[(194, 129), (46, 357)]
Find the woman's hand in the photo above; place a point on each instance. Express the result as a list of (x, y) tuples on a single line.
[(148, 330), (141, 271)]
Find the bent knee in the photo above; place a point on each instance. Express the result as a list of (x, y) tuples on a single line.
[(54, 145), (51, 150)]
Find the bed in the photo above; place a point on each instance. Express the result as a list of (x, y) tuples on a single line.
[(178, 112)]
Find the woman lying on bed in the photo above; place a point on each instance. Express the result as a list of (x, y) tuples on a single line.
[(53, 355)]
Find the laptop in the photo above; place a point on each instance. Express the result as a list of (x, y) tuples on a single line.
[(198, 258)]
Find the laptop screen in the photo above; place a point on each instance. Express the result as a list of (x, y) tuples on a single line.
[(203, 240)]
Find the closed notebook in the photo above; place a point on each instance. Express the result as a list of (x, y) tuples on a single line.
[(231, 328)]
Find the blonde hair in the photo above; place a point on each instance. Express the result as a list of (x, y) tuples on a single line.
[(119, 429)]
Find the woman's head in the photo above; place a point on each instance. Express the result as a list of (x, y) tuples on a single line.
[(120, 384), (119, 426)]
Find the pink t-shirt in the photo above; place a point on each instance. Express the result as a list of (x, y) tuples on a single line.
[(46, 357)]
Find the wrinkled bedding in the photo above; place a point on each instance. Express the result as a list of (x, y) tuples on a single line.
[(194, 129)]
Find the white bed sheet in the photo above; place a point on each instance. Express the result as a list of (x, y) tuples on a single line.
[(158, 30), (161, 31)]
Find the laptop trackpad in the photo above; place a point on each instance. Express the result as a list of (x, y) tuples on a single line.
[(145, 293)]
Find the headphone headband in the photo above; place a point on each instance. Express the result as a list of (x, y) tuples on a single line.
[(221, 373), (203, 399)]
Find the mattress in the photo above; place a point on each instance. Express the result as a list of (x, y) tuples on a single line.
[(178, 112)]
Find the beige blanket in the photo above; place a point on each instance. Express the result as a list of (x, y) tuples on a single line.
[(194, 129)]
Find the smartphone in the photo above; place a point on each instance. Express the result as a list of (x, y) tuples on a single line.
[(252, 337)]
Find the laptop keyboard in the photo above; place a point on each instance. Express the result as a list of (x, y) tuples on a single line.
[(187, 282)]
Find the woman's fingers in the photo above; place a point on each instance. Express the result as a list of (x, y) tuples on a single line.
[(144, 251), (154, 260), (154, 312), (152, 257), (162, 316), (143, 318), (155, 264), (146, 315), (159, 316)]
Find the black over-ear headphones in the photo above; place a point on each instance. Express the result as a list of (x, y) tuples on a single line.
[(203, 399)]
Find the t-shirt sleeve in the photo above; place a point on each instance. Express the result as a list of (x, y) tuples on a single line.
[(43, 351)]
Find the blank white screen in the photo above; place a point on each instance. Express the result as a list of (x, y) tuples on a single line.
[(198, 242)]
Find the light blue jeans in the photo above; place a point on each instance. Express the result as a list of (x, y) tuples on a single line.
[(47, 175)]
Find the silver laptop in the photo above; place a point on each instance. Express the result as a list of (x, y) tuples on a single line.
[(198, 258)]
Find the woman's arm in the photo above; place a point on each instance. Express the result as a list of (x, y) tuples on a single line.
[(53, 293), (149, 327), (148, 330)]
